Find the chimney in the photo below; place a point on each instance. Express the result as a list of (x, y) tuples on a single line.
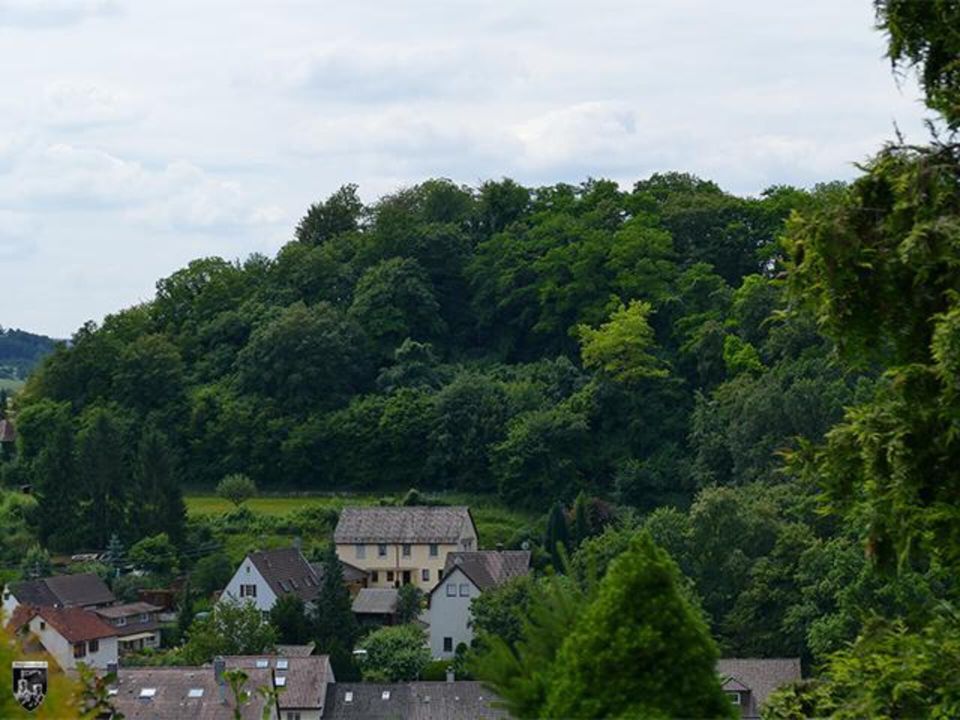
[(499, 547), (297, 542), (451, 676), (219, 666)]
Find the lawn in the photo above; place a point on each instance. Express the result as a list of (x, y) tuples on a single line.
[(495, 522)]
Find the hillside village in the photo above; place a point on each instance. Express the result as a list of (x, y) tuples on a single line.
[(76, 620)]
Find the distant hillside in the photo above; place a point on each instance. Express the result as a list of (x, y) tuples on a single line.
[(20, 351)]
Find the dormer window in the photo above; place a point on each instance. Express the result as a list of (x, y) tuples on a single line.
[(121, 621), (735, 697), (144, 617)]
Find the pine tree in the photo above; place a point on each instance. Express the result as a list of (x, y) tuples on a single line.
[(103, 475), (115, 554), (334, 624), (557, 539), (54, 479), (581, 519), (161, 507), (185, 612)]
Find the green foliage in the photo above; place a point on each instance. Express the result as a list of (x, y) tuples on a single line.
[(396, 653), (231, 628), (499, 612), (620, 347), (409, 603), (639, 649), (288, 617), (211, 573), (237, 489), (334, 624), (557, 537), (338, 214), (36, 563), (155, 554)]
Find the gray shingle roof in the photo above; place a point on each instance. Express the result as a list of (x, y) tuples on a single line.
[(171, 698), (489, 568), (127, 609), (64, 590), (402, 524), (761, 675), (287, 571), (375, 601), (295, 650), (307, 677), (458, 700)]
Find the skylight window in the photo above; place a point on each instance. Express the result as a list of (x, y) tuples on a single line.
[(263, 663), (348, 697), (385, 695), (280, 681), (112, 691), (147, 692), (283, 664), (195, 693)]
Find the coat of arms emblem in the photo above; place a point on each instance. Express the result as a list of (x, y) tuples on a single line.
[(29, 683)]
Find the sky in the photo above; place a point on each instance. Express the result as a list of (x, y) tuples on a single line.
[(137, 135)]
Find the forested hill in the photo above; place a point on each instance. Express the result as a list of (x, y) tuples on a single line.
[(528, 341), (20, 352)]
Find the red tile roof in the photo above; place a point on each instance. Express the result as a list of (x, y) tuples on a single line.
[(74, 624)]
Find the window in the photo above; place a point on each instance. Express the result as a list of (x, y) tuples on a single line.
[(434, 550), (348, 696), (389, 575), (147, 692), (448, 644), (406, 577), (93, 646), (406, 550), (144, 617), (248, 591), (263, 663), (385, 695), (375, 576), (248, 569), (467, 543), (79, 650), (293, 715), (282, 664), (43, 625), (425, 575), (451, 590), (361, 552), (735, 698), (464, 589), (195, 693), (280, 681), (121, 621), (381, 550)]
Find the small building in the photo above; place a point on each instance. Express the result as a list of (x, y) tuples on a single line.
[(175, 693), (748, 682), (376, 606), (84, 590), (266, 575), (70, 635), (137, 625), (452, 700), (400, 545), (467, 575)]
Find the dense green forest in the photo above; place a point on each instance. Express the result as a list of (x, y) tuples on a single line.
[(764, 386), (21, 351)]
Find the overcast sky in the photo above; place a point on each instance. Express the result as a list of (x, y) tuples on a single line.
[(136, 135)]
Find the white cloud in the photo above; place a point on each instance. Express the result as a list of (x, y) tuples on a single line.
[(52, 13), (76, 105), (18, 235)]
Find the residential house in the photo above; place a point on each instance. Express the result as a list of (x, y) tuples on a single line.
[(137, 625), (467, 575), (85, 590), (266, 575), (70, 635), (173, 693), (748, 682), (400, 545), (452, 700), (376, 606)]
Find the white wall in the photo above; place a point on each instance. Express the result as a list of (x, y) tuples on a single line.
[(9, 603), (247, 574), (62, 650), (448, 616)]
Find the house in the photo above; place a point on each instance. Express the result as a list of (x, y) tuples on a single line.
[(748, 682), (70, 635), (466, 575), (137, 625), (452, 700), (400, 545), (264, 576), (295, 650), (173, 693), (85, 590), (376, 606)]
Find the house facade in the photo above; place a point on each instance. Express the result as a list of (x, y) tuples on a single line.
[(466, 576), (402, 545), (748, 682), (136, 624), (70, 635)]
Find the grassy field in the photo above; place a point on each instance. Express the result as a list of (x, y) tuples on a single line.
[(495, 523)]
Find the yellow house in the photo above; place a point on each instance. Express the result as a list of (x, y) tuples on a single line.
[(400, 545)]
